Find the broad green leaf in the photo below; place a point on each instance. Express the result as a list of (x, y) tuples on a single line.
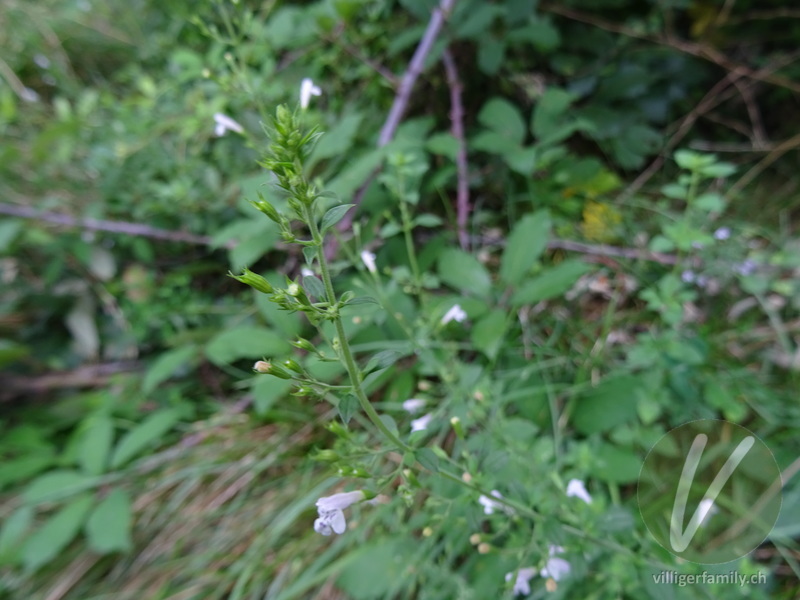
[(463, 271), (550, 284), (53, 536), (145, 434), (551, 107), (95, 445), (56, 485), (268, 390), (361, 300), (245, 342), (503, 117), (166, 365), (108, 528), (337, 141), (428, 459), (444, 144), (334, 215), (347, 407), (491, 52), (617, 465), (14, 527), (314, 287), (525, 245), (488, 333), (26, 466), (383, 359), (613, 402)]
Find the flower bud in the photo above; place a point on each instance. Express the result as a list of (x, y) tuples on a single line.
[(457, 427), (263, 366), (304, 344), (267, 208), (256, 282), (292, 365), (326, 456)]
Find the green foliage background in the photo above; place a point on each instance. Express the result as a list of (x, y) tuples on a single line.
[(142, 458)]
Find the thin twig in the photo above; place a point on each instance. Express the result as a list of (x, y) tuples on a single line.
[(462, 167), (110, 226)]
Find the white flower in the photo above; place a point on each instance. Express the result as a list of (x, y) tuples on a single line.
[(368, 258), (306, 272), (422, 423), (29, 95), (489, 505), (577, 488), (723, 233), (308, 89), (41, 61), (688, 276), (557, 568), (224, 124), (413, 405), (522, 583), (454, 314), (707, 508), (331, 518)]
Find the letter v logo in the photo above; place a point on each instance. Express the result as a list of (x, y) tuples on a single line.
[(680, 538)]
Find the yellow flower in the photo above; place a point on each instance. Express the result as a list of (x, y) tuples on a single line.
[(600, 221)]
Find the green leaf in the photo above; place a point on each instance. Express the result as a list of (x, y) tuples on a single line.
[(488, 333), (56, 485), (347, 407), (550, 284), (14, 527), (491, 53), (525, 245), (617, 465), (551, 107), (503, 117), (310, 253), (443, 144), (427, 220), (95, 445), (52, 537), (108, 528), (267, 390), (383, 359), (145, 434), (245, 342), (337, 141), (428, 459), (613, 402), (334, 215), (166, 365), (463, 271), (314, 287)]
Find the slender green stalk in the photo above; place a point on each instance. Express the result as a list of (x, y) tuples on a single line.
[(346, 353)]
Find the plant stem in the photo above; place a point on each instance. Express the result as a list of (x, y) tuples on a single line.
[(346, 353)]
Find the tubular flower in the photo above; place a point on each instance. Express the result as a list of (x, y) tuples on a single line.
[(308, 89), (456, 314), (577, 488), (330, 508), (224, 124)]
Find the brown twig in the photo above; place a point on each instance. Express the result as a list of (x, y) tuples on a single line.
[(400, 104), (110, 226), (462, 167)]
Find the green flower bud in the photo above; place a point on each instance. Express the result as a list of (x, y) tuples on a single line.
[(457, 427), (267, 208), (266, 367), (256, 282), (292, 365), (325, 456), (304, 344)]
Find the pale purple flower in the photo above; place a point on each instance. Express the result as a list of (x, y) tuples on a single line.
[(688, 276), (577, 488), (456, 314), (723, 233), (368, 258), (224, 124), (490, 506), (422, 423), (308, 89), (522, 583), (557, 568), (331, 518), (413, 405)]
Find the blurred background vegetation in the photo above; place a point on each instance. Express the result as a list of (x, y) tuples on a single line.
[(142, 459)]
